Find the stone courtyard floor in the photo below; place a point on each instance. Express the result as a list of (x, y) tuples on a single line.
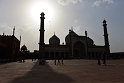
[(73, 71)]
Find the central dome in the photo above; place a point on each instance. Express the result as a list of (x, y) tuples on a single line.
[(54, 40), (67, 38)]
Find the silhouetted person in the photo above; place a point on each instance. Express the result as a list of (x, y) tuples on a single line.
[(99, 63), (104, 60), (20, 60), (40, 61), (32, 58), (43, 59), (62, 61), (23, 60), (58, 62)]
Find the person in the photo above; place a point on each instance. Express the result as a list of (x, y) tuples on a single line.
[(32, 58), (40, 61), (99, 63), (62, 62), (23, 60), (104, 60), (35, 59), (43, 61), (58, 62)]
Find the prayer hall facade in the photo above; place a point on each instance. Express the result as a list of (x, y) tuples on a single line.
[(76, 46)]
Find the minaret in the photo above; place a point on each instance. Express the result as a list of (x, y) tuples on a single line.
[(86, 45), (70, 45), (106, 38), (41, 41), (20, 42)]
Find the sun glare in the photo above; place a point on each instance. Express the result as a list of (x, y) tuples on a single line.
[(42, 7)]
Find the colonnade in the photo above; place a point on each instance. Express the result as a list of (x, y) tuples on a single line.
[(53, 55)]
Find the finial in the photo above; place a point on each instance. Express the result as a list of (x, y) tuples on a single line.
[(13, 30), (85, 33), (20, 39), (4, 33), (104, 21), (42, 13)]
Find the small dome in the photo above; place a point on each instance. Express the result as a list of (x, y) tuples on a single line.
[(67, 38), (42, 13), (54, 40), (23, 48), (90, 41), (104, 21)]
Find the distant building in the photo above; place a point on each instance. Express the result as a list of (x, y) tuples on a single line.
[(117, 55), (26, 54), (75, 46), (9, 47)]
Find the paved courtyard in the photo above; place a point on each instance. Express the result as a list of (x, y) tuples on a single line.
[(73, 71)]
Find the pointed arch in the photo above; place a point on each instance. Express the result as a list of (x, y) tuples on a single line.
[(79, 50)]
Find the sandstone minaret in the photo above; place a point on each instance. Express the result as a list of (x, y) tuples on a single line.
[(41, 40), (106, 38)]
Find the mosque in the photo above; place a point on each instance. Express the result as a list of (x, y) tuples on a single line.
[(76, 46)]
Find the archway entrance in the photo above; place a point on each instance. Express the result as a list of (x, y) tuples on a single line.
[(52, 55), (46, 55), (76, 53), (79, 50)]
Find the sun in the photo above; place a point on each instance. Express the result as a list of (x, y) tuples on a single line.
[(42, 7)]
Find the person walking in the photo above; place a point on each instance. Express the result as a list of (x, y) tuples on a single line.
[(99, 63), (62, 62), (104, 59), (58, 62)]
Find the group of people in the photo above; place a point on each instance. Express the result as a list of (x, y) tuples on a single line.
[(42, 61), (59, 63), (56, 61), (104, 61), (33, 59), (21, 60)]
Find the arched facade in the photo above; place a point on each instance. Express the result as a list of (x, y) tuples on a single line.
[(75, 47), (79, 49)]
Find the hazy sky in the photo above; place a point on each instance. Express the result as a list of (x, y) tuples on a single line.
[(60, 15)]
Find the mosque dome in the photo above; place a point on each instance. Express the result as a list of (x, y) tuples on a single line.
[(72, 33), (54, 40), (23, 48), (90, 41)]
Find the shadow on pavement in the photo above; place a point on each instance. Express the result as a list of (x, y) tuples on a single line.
[(42, 74)]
